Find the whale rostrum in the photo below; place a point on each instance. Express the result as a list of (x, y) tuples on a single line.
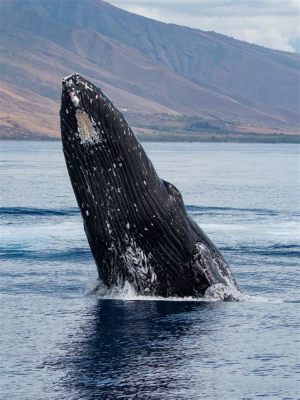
[(136, 223)]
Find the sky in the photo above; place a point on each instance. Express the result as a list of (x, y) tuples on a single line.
[(270, 23)]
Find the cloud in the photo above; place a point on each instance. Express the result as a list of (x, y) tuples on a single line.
[(270, 23)]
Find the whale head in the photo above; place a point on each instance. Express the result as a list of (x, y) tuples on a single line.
[(99, 146), (87, 115)]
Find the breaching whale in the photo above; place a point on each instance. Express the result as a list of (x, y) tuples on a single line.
[(136, 223)]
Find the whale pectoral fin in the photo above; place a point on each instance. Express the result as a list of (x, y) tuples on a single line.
[(216, 271)]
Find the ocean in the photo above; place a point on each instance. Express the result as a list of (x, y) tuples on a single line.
[(60, 340)]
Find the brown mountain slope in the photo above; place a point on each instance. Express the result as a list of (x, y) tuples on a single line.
[(164, 77)]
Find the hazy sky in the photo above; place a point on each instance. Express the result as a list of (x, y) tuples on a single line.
[(270, 23)]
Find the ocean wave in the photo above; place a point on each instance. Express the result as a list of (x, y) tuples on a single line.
[(30, 211), (278, 249), (194, 209), (73, 254)]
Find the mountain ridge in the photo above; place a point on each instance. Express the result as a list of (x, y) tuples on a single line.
[(147, 67)]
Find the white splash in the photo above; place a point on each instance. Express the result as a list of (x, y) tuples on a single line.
[(128, 293), (219, 291)]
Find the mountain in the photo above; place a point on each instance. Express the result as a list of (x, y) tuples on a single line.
[(170, 81)]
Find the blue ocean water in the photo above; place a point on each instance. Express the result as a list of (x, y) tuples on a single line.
[(59, 341)]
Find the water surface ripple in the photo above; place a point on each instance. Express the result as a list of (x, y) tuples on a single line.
[(60, 340)]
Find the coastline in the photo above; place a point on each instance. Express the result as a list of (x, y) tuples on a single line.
[(234, 138)]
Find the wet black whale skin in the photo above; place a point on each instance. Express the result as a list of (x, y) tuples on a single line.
[(136, 223)]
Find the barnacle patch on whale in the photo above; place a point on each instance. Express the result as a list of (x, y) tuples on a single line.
[(87, 130)]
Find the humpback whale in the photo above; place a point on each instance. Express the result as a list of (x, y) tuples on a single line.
[(136, 223)]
